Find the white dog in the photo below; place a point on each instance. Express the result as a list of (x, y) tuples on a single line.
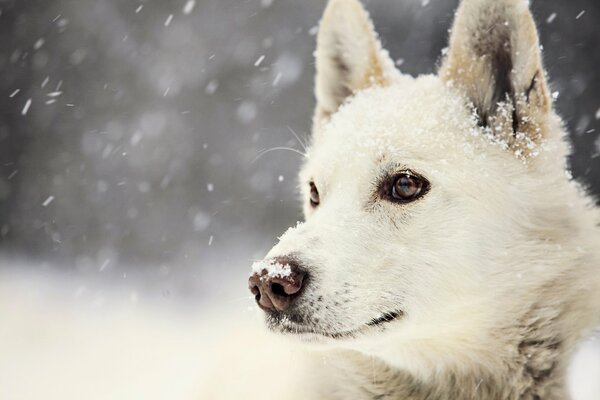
[(446, 253)]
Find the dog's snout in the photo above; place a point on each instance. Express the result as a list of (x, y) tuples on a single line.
[(277, 283)]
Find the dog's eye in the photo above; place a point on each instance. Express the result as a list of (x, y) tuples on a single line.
[(407, 187), (314, 195)]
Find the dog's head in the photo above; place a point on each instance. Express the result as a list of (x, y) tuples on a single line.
[(423, 196)]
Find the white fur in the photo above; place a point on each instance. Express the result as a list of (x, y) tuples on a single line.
[(495, 269)]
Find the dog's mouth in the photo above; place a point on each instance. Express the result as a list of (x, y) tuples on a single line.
[(293, 325)]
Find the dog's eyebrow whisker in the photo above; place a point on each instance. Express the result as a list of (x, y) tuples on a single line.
[(302, 143), (262, 153)]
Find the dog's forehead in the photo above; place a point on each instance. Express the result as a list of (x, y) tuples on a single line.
[(411, 120)]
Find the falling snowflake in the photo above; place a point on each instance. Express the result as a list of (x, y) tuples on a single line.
[(26, 107), (47, 202), (38, 44), (211, 87), (259, 61), (189, 7)]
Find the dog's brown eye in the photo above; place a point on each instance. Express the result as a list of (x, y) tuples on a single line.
[(314, 195), (408, 187)]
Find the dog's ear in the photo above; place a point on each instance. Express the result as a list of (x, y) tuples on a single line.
[(494, 57), (349, 57)]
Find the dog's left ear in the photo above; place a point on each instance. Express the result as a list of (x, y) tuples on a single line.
[(349, 57), (494, 58)]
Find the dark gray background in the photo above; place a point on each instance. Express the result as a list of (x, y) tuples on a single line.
[(149, 150)]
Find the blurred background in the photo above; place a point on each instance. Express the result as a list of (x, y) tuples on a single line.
[(135, 137)]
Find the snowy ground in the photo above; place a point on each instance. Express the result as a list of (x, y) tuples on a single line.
[(62, 340), (56, 343)]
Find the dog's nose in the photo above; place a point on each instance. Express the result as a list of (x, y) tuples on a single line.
[(276, 283)]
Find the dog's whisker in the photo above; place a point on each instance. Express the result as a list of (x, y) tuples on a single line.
[(262, 153), (238, 299)]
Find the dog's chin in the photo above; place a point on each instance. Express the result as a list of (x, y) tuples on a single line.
[(307, 332)]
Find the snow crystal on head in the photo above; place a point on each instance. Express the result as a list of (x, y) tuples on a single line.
[(418, 114), (409, 121), (271, 269), (292, 229)]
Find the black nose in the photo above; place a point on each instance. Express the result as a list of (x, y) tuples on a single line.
[(278, 284)]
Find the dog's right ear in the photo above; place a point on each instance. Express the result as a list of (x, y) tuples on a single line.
[(349, 57), (494, 58)]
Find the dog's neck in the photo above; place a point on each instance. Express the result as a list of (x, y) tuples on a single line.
[(533, 378), (531, 366)]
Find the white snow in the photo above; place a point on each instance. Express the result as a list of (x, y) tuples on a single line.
[(133, 297), (144, 187), (272, 269), (26, 107), (210, 187), (47, 202), (597, 114), (54, 334), (267, 42), (201, 221), (16, 92), (211, 87), (139, 8), (38, 44), (580, 14), (62, 23), (136, 138), (189, 7), (246, 111), (104, 265), (584, 371), (102, 186), (168, 20), (277, 78), (287, 69), (71, 340), (551, 18), (259, 61)]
